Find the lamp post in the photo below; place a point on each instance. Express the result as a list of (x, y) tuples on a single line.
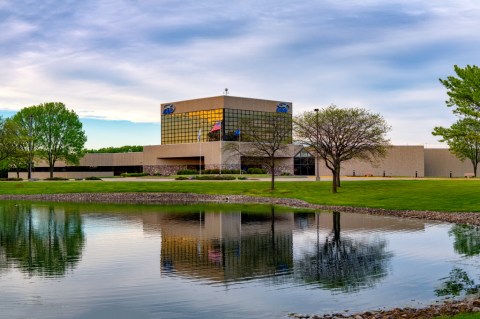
[(317, 168), (30, 146)]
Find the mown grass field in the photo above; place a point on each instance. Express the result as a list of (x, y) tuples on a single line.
[(437, 195), (462, 316)]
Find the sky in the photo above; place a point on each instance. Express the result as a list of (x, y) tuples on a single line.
[(115, 62)]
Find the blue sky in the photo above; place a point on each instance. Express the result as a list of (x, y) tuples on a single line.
[(114, 62)]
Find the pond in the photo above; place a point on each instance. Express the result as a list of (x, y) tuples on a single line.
[(219, 261)]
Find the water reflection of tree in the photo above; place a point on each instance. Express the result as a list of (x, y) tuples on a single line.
[(467, 239), (344, 263), (458, 282), (43, 243)]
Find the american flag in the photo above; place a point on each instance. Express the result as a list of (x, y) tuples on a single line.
[(216, 127)]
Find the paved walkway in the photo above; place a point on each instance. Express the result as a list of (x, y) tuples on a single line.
[(266, 179)]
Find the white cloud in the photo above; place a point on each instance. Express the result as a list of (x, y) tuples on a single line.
[(119, 61)]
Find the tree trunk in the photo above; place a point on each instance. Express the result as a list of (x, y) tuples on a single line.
[(29, 175), (51, 162), (475, 165), (272, 186), (338, 177), (334, 181)]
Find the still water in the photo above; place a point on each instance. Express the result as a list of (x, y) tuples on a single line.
[(87, 261)]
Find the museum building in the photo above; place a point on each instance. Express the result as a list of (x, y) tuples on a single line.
[(195, 134)]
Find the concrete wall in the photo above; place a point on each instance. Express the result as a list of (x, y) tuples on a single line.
[(400, 161), (169, 158), (439, 162), (225, 101), (89, 160), (43, 175)]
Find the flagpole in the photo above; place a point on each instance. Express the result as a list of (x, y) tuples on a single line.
[(221, 129), (199, 137), (240, 153)]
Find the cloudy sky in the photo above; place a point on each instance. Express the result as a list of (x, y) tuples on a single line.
[(114, 62)]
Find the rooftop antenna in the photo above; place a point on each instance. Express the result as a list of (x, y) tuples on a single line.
[(225, 92)]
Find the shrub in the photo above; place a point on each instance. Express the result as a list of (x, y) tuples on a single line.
[(133, 174), (242, 178), (285, 174), (181, 178), (93, 178), (11, 179), (255, 170), (56, 179), (187, 172), (216, 177), (231, 171), (211, 171)]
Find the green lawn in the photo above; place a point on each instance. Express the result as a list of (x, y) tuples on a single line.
[(475, 315), (439, 195)]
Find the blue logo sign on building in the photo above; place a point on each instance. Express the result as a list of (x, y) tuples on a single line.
[(283, 107), (168, 109)]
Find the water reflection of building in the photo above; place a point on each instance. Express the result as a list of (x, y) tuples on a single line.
[(225, 246), (354, 223), (235, 246)]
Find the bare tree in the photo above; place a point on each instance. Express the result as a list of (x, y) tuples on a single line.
[(338, 135), (262, 138)]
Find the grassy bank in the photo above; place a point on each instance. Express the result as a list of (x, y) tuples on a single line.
[(438, 195), (462, 316)]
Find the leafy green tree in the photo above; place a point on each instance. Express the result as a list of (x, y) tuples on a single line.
[(463, 139), (8, 140), (26, 123), (12, 153), (338, 135), (464, 90), (60, 133), (120, 149)]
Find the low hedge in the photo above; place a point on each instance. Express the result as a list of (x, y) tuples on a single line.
[(93, 178), (216, 177), (11, 179), (133, 174), (254, 170), (224, 171), (56, 179), (187, 172)]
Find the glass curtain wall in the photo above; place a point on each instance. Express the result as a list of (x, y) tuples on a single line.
[(184, 127)]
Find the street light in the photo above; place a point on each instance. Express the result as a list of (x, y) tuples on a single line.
[(317, 168), (30, 146)]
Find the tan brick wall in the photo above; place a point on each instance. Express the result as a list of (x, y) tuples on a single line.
[(439, 162), (231, 102), (43, 175), (400, 161)]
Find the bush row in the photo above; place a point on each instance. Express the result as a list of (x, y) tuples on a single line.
[(133, 174), (215, 177), (224, 171), (10, 179), (209, 178)]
